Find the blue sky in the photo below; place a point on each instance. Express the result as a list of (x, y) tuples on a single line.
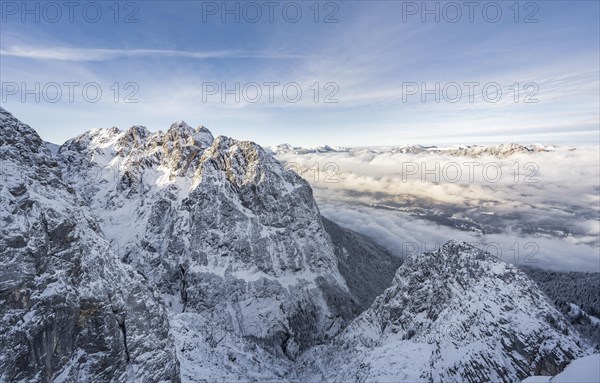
[(369, 58)]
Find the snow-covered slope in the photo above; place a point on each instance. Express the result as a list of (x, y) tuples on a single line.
[(576, 295), (582, 370), (220, 225), (70, 311), (456, 314)]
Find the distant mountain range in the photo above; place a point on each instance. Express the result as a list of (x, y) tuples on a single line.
[(500, 150)]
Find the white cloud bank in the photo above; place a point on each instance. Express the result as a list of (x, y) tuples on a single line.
[(546, 214)]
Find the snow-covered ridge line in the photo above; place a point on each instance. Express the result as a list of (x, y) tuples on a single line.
[(501, 150)]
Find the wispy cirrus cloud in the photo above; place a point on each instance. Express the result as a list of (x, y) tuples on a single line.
[(84, 54), (362, 61)]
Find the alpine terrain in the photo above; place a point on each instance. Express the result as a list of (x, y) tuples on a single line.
[(138, 256)]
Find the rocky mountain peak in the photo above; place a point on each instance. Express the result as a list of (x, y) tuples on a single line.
[(134, 138), (464, 316), (178, 131), (136, 135), (216, 223), (245, 162), (186, 135), (203, 135), (22, 147)]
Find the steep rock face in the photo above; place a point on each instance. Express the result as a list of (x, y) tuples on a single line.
[(456, 314), (237, 248), (219, 224), (70, 310)]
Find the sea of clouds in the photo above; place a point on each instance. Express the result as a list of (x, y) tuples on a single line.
[(531, 208)]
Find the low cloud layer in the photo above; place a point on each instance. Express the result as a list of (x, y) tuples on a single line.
[(539, 209)]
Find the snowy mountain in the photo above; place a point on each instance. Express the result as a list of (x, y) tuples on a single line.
[(456, 314), (70, 310), (287, 149), (498, 150), (176, 256), (223, 230)]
